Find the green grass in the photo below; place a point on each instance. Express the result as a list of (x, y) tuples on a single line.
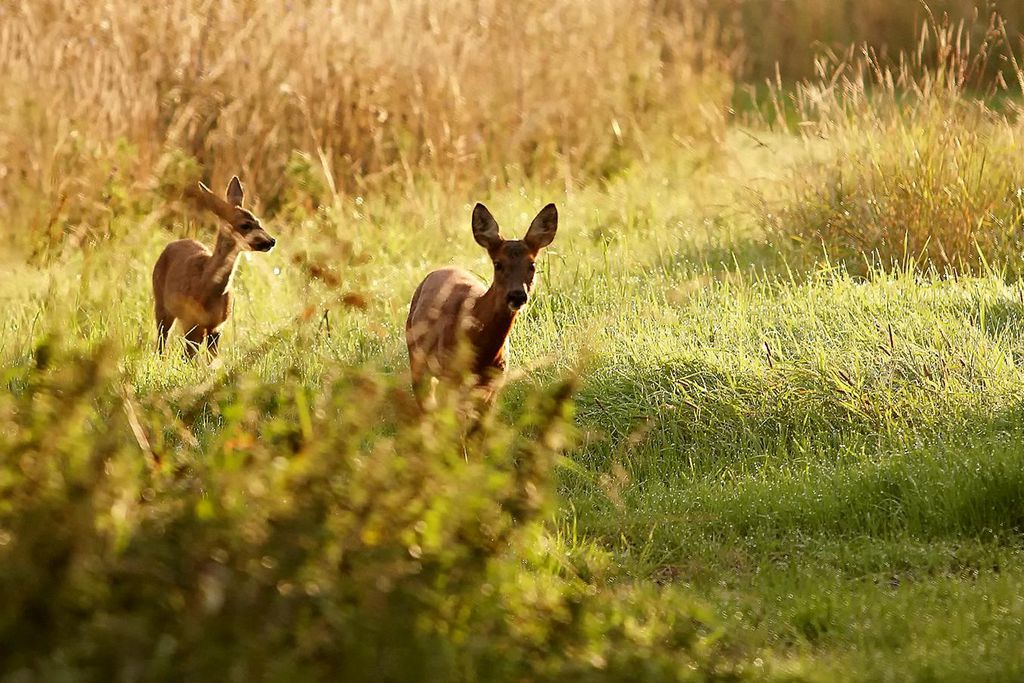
[(833, 464)]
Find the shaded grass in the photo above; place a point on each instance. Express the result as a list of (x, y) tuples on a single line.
[(961, 488), (891, 622)]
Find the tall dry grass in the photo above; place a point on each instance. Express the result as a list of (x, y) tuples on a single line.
[(98, 95), (915, 159)]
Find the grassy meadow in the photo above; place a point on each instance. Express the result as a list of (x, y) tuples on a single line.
[(763, 416)]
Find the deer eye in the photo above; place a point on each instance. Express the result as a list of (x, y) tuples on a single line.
[(498, 266), (532, 267)]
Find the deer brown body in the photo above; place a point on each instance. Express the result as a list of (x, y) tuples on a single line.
[(192, 285), (458, 327)]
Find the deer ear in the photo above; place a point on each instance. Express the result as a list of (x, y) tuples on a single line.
[(542, 230), (205, 197), (235, 193), (485, 228)]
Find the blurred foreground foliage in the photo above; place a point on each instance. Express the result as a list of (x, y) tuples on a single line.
[(321, 533)]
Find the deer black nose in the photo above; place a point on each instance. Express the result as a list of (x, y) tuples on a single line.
[(267, 245), (516, 298)]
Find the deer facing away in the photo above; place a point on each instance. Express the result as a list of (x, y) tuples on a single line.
[(193, 285), (457, 327)]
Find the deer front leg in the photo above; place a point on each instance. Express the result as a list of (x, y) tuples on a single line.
[(483, 394), (481, 399), (193, 340), (213, 343), (489, 383)]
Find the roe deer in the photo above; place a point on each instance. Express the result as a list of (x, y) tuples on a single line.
[(192, 285), (452, 307)]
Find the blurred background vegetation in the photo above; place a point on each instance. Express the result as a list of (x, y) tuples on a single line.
[(104, 99)]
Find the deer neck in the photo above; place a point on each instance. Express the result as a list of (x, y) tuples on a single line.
[(493, 323), (220, 269)]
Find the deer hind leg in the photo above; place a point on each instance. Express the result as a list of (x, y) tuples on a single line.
[(422, 387), (193, 340), (164, 320), (423, 383)]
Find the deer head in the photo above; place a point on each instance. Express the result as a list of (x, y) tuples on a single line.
[(514, 259), (239, 224)]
